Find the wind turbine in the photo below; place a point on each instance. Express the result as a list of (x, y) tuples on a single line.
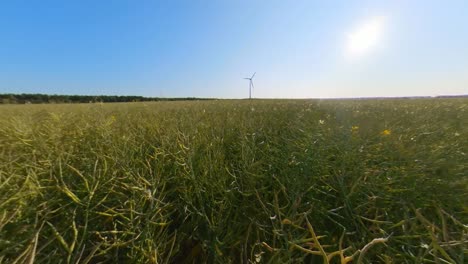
[(251, 86)]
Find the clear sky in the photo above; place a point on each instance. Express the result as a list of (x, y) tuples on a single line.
[(201, 48)]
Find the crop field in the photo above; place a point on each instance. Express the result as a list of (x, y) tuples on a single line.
[(235, 181)]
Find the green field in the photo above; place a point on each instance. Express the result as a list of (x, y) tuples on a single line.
[(235, 181)]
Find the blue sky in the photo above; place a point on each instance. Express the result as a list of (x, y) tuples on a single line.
[(201, 48)]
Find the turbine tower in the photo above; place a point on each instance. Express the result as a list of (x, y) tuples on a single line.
[(251, 86)]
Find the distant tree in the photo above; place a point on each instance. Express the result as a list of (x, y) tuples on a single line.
[(45, 98)]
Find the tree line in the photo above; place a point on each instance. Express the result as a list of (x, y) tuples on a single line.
[(57, 99)]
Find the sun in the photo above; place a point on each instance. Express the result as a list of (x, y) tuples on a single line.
[(365, 37)]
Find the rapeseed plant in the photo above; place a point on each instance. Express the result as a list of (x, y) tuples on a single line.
[(208, 182)]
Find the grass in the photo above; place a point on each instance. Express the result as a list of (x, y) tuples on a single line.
[(235, 181)]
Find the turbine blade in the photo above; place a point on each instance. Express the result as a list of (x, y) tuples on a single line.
[(253, 75), (251, 83)]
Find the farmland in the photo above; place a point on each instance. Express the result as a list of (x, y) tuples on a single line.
[(235, 181)]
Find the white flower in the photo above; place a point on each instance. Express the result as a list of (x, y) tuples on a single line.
[(321, 121), (149, 195)]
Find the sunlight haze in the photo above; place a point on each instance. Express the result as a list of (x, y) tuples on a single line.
[(365, 37)]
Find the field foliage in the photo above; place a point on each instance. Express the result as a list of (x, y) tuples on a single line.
[(235, 181)]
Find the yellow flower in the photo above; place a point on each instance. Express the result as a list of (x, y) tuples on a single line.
[(386, 132), (354, 128), (111, 120)]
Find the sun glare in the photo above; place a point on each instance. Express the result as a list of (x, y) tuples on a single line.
[(365, 37)]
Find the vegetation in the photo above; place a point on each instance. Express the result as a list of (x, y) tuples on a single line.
[(54, 99), (258, 181)]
